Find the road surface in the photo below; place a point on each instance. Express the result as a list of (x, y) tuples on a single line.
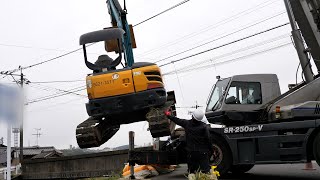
[(260, 172)]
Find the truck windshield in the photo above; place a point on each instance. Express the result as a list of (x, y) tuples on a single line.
[(217, 93)]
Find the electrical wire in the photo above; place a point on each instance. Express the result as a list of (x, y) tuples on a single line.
[(44, 99), (45, 61), (55, 58), (59, 91), (224, 36), (30, 47), (213, 26), (256, 45), (54, 105), (228, 61), (48, 82), (177, 5), (208, 50)]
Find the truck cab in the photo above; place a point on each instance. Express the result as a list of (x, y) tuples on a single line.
[(254, 132), (237, 100)]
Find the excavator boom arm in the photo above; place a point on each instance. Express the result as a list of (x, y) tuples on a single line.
[(119, 19)]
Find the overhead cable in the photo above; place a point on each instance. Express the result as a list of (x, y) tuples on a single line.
[(48, 82), (229, 61), (44, 99), (177, 5), (208, 50), (59, 91), (213, 26), (224, 36), (43, 62), (54, 105), (241, 50)]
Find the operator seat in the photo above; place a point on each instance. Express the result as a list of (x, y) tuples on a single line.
[(104, 61)]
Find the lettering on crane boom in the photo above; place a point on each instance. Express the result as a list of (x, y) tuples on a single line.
[(242, 129)]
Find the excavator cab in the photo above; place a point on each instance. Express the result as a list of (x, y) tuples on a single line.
[(104, 62)]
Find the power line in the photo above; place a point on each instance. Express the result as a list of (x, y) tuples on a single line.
[(256, 45), (224, 36), (43, 62), (52, 59), (44, 99), (30, 47), (247, 37), (177, 5), (48, 82), (54, 105), (214, 26), (60, 92), (229, 61)]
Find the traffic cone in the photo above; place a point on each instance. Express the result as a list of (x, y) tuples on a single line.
[(309, 166)]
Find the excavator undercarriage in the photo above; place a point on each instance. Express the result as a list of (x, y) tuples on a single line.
[(95, 131)]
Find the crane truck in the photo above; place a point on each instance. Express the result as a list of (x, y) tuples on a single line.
[(271, 128), (259, 125)]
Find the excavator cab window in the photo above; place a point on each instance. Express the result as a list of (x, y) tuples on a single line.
[(104, 62), (244, 93)]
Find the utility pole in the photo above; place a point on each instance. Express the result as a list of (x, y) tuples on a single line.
[(37, 135), (21, 108), (21, 118)]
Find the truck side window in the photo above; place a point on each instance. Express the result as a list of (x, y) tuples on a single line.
[(244, 93)]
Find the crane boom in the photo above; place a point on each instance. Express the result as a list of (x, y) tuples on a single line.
[(307, 15)]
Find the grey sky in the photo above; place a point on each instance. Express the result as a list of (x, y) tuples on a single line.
[(36, 30)]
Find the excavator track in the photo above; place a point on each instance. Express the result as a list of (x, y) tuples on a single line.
[(94, 132), (159, 124)]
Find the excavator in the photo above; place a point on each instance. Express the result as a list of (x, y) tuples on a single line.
[(124, 95)]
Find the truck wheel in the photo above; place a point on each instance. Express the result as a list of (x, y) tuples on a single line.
[(221, 156), (241, 168), (316, 148)]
